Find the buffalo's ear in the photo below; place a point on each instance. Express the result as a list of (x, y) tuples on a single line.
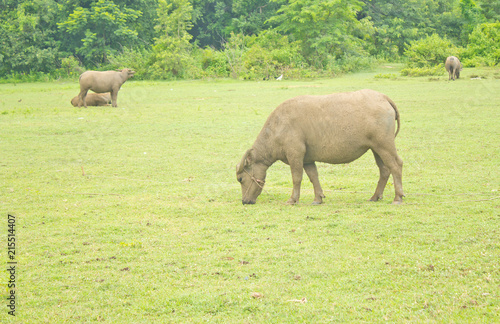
[(246, 160)]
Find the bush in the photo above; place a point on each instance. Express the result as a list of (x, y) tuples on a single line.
[(132, 59), (171, 58), (354, 63), (484, 46), (391, 76), (423, 71), (70, 67), (214, 63), (429, 52), (265, 56), (233, 50), (269, 55), (17, 77)]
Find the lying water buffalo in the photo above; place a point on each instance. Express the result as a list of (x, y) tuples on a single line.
[(336, 128), (93, 99), (453, 66), (100, 82)]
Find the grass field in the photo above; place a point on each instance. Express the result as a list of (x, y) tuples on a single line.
[(133, 214)]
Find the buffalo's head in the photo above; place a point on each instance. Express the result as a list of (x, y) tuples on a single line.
[(128, 73), (251, 175)]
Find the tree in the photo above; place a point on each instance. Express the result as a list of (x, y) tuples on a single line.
[(430, 51), (270, 55), (171, 50), (210, 19), (491, 9), (255, 38), (27, 38), (328, 29), (249, 16), (215, 20), (473, 16), (100, 30), (398, 23), (484, 45)]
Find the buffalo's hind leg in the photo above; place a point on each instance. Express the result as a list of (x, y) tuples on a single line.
[(389, 163), (382, 181), (312, 173), (82, 98)]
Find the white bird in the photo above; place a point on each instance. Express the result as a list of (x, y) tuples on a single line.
[(279, 78)]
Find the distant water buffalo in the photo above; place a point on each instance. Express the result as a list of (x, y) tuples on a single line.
[(93, 99), (337, 128), (100, 82), (453, 66)]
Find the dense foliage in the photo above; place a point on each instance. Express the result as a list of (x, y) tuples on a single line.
[(251, 39)]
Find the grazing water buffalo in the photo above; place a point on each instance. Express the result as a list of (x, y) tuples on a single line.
[(100, 82), (336, 128), (453, 66), (93, 99)]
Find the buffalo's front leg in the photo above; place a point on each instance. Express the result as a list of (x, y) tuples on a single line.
[(296, 166), (114, 95), (312, 173)]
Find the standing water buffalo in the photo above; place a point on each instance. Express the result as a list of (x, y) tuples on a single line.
[(93, 99), (336, 128), (100, 82), (453, 66)]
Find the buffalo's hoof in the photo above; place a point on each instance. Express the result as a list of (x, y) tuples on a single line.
[(398, 200)]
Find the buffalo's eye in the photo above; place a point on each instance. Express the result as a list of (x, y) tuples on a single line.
[(240, 179)]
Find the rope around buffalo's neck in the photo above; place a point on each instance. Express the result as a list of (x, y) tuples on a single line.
[(257, 182)]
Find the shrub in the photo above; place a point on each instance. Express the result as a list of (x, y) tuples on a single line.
[(391, 76), (70, 67), (270, 54), (354, 63), (171, 58), (233, 50), (214, 63), (423, 71), (132, 59), (484, 46), (429, 52)]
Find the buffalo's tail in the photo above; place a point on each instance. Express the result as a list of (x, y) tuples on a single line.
[(398, 121)]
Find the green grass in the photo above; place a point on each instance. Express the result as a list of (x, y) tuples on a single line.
[(133, 214)]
